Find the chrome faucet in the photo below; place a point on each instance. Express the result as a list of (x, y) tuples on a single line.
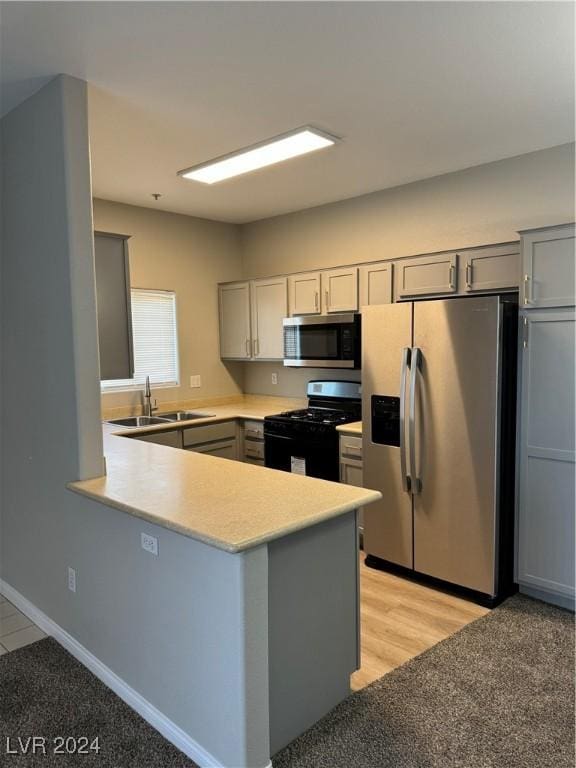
[(148, 407)]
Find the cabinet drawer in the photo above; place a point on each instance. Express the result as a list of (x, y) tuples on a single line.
[(351, 446), (254, 449), (225, 449), (257, 462), (254, 430), (225, 430), (172, 438)]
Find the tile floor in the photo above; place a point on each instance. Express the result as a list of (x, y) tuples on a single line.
[(16, 630)]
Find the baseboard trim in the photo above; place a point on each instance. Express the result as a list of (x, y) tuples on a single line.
[(171, 732), (562, 601)]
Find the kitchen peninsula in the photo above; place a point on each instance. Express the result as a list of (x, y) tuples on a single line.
[(257, 568)]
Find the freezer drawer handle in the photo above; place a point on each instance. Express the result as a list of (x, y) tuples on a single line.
[(403, 378), (416, 357)]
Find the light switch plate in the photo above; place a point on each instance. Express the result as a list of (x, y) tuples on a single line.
[(195, 381)]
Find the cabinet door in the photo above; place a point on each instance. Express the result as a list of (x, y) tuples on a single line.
[(269, 308), (113, 303), (234, 300), (351, 474), (427, 275), (548, 259), (172, 438), (225, 449), (489, 269), (547, 454), (376, 284), (340, 290), (304, 294)]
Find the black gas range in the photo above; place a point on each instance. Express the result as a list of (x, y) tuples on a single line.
[(305, 441)]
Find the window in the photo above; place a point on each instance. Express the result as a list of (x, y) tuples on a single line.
[(155, 340)]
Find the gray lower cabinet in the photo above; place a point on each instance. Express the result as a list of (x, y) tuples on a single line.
[(546, 500), (351, 467), (172, 438), (548, 264), (253, 442), (113, 306), (216, 439)]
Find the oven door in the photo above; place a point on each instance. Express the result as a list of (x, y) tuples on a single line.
[(322, 342), (314, 456)]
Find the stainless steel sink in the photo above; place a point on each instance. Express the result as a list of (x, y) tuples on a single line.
[(185, 415), (140, 421)]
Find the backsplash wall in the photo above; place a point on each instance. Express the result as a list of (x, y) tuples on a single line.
[(291, 381)]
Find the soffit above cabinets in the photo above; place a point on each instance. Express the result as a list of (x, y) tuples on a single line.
[(414, 89)]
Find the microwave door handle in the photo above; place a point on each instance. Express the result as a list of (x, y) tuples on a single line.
[(403, 381), (416, 361)]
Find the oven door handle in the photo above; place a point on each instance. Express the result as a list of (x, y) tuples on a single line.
[(406, 357)]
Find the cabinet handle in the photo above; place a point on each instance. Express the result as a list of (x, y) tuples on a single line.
[(469, 276), (247, 347), (256, 347), (525, 333), (452, 278), (527, 291), (327, 295), (316, 300)]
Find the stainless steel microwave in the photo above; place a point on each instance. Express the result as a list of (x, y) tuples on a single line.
[(322, 341)]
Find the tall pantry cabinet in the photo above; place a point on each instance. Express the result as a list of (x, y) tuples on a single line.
[(546, 449)]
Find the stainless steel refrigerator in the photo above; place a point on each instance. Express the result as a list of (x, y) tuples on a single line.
[(439, 383)]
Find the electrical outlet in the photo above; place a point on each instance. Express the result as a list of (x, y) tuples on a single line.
[(149, 543), (274, 378), (195, 381), (71, 579)]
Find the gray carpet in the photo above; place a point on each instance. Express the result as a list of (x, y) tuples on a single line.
[(44, 691), (498, 694)]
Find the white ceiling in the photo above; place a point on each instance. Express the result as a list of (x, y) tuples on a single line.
[(414, 89)]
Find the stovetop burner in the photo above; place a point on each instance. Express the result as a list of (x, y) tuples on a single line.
[(318, 416)]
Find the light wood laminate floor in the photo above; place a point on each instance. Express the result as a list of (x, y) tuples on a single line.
[(401, 619)]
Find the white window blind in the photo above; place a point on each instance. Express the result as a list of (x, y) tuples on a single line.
[(155, 340)]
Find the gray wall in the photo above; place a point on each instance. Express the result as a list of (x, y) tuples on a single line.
[(184, 628)]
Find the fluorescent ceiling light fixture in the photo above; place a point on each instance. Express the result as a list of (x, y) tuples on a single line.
[(292, 144)]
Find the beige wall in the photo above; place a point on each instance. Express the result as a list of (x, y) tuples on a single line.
[(482, 205), (486, 204), (190, 256)]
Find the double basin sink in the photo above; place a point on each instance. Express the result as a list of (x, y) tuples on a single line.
[(162, 418)]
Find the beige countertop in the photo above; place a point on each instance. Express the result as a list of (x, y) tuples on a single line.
[(230, 505), (354, 428)]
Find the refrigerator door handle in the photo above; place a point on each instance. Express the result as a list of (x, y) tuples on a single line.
[(416, 358), (406, 355)]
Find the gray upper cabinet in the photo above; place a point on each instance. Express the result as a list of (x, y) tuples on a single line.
[(340, 290), (234, 307), (113, 301), (427, 275), (492, 268), (269, 307), (304, 293), (546, 501), (376, 284), (548, 261)]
